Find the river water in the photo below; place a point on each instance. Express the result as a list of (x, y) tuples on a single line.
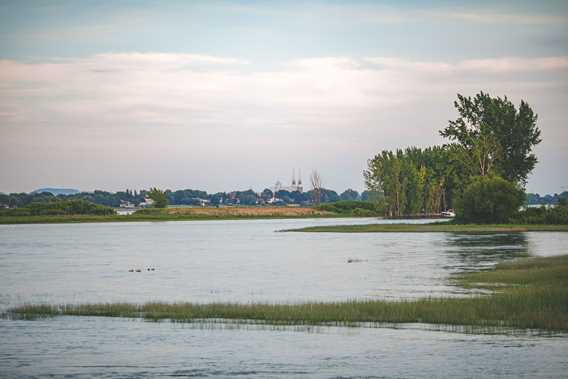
[(248, 261)]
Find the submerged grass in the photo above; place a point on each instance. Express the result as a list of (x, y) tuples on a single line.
[(528, 294), (441, 227)]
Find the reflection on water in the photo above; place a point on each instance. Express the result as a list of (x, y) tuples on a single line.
[(471, 252)]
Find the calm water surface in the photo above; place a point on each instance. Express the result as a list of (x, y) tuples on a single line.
[(247, 261)]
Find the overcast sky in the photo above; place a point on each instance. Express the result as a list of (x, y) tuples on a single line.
[(235, 95)]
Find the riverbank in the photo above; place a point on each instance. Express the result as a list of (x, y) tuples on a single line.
[(442, 227), (181, 214), (527, 294)]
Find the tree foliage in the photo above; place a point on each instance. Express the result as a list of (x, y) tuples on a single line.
[(159, 197), (414, 180), (490, 199), (349, 194), (59, 207), (557, 215), (491, 137), (495, 136)]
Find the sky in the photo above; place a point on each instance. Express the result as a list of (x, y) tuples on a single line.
[(226, 95)]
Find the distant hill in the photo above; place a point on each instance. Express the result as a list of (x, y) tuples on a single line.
[(58, 191)]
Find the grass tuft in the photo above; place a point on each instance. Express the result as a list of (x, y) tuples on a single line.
[(440, 227)]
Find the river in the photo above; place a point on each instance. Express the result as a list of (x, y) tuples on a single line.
[(249, 261)]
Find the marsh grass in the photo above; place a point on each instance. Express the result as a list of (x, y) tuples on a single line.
[(527, 294), (439, 227), (180, 214)]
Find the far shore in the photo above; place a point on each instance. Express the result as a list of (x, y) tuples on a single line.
[(438, 227), (182, 214)]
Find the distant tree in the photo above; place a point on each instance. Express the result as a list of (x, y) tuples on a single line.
[(160, 198), (218, 198), (494, 136), (298, 197), (267, 194), (372, 196), (317, 185), (68, 207), (349, 194), (489, 199), (247, 197)]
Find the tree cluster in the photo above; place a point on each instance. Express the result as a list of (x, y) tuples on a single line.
[(59, 207), (414, 181), (187, 197), (491, 139)]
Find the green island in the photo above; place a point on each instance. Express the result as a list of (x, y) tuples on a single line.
[(158, 217), (433, 228), (529, 293), (56, 210)]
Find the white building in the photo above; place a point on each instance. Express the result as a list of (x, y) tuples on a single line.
[(147, 203), (296, 186)]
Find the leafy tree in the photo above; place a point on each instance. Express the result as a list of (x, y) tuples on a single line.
[(414, 180), (349, 194), (371, 196), (160, 198), (494, 136), (489, 199), (267, 194), (68, 207)]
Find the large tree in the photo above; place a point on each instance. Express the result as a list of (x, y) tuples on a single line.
[(414, 180), (489, 199), (160, 198), (495, 136)]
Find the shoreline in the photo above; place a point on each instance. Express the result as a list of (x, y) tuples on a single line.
[(431, 228), (76, 219)]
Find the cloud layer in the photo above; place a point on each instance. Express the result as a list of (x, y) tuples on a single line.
[(173, 105)]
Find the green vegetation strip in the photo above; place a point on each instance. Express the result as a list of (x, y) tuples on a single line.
[(528, 294), (431, 228), (65, 219)]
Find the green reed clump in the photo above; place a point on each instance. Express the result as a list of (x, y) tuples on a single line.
[(528, 294), (437, 227)]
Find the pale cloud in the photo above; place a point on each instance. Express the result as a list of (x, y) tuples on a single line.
[(88, 109), (502, 65), (378, 13), (512, 64), (482, 16), (188, 89)]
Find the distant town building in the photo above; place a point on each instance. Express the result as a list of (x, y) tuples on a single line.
[(126, 204), (146, 203), (295, 186)]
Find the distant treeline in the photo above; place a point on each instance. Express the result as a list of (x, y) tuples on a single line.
[(536, 199), (59, 207), (186, 197), (541, 215)]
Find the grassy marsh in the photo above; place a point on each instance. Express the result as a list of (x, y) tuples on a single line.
[(441, 227), (527, 294), (179, 214)]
